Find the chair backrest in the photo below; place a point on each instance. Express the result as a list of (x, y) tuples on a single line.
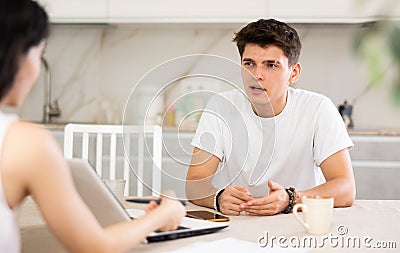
[(121, 150)]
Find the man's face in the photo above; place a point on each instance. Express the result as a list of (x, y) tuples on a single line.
[(266, 74)]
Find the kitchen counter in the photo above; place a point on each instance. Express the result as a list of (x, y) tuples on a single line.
[(172, 130), (381, 132), (366, 132)]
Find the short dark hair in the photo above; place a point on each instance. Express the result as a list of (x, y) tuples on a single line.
[(23, 24), (266, 32)]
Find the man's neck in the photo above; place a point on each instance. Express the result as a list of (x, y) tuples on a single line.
[(271, 109)]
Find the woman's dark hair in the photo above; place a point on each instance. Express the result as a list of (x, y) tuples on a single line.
[(23, 24), (270, 32)]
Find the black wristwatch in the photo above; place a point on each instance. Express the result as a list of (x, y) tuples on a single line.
[(216, 201)]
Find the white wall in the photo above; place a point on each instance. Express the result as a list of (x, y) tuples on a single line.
[(95, 67)]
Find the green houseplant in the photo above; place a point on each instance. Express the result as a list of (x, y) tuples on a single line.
[(378, 45)]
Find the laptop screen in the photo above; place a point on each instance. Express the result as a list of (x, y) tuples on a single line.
[(108, 210)]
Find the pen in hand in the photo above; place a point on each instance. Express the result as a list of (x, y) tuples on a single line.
[(147, 200)]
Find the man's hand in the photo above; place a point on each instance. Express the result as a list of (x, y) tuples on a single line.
[(275, 202), (231, 199)]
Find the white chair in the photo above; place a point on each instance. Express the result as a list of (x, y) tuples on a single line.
[(93, 148)]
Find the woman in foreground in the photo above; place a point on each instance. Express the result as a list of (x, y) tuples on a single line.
[(31, 163)]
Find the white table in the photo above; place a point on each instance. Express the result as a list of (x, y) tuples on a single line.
[(370, 221)]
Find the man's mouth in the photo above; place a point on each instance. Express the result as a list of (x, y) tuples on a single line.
[(257, 88)]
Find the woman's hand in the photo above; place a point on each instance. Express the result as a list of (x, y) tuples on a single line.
[(170, 208)]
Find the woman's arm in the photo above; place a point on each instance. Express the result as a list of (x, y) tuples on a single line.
[(41, 170)]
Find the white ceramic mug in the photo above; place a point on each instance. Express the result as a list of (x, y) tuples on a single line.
[(317, 214)]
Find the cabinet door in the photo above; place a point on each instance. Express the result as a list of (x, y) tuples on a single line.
[(317, 11), (71, 11), (390, 8), (205, 11)]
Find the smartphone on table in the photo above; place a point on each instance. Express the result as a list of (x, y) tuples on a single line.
[(207, 215)]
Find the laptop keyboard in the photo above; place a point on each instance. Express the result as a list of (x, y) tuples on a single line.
[(158, 231), (179, 228), (172, 236)]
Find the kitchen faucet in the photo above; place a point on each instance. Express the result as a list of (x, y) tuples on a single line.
[(51, 109)]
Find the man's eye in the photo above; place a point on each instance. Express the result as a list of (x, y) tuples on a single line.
[(271, 65), (247, 63)]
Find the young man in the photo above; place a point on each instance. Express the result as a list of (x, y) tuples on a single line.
[(275, 143)]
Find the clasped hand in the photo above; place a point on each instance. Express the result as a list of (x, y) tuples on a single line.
[(236, 199)]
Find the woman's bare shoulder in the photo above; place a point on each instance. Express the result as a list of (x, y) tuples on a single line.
[(29, 154), (27, 133), (29, 141)]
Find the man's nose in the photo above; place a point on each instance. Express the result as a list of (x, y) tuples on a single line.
[(258, 74)]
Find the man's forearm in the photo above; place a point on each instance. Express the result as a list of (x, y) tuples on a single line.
[(206, 202), (201, 192), (341, 189)]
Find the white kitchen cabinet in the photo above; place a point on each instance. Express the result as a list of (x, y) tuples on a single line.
[(181, 11), (235, 11), (76, 11), (221, 11), (376, 164), (339, 11), (153, 11)]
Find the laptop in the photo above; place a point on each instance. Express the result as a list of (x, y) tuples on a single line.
[(108, 210)]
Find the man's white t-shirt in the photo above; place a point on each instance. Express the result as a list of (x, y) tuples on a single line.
[(287, 148)]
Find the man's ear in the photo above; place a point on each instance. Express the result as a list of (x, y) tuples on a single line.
[(294, 76)]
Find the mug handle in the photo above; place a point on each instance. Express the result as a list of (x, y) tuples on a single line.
[(296, 213)]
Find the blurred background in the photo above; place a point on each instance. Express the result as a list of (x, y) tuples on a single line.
[(99, 49)]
